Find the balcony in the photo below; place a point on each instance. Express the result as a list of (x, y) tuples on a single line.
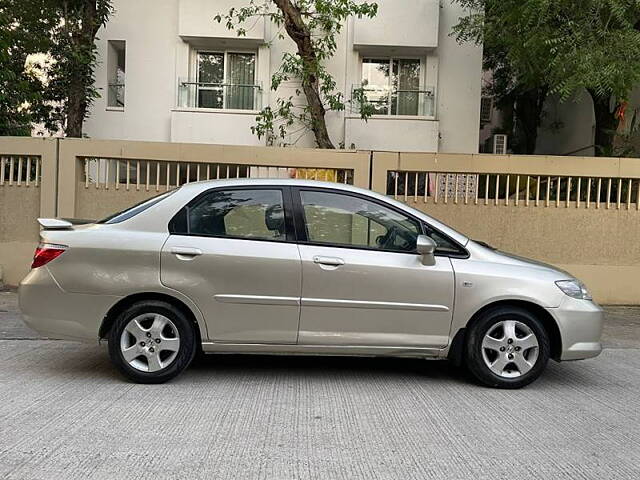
[(401, 120), (221, 113), (219, 96), (393, 102), (195, 21), (411, 28)]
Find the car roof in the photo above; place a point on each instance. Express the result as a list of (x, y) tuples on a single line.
[(195, 188)]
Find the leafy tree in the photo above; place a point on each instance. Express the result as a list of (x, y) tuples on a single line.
[(60, 92), (562, 47), (313, 25), (23, 30), (71, 78)]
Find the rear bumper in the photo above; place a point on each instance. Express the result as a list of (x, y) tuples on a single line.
[(580, 323), (52, 312)]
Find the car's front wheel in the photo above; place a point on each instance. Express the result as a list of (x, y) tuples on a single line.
[(152, 342), (507, 347)]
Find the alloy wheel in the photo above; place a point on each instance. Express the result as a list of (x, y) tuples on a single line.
[(510, 349), (150, 342)]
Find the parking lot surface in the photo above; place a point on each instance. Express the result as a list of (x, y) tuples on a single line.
[(65, 413)]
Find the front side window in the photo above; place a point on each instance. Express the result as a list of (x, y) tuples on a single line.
[(226, 80), (338, 219), (392, 87), (444, 245), (251, 214)]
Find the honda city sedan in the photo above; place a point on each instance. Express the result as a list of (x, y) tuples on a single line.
[(299, 267)]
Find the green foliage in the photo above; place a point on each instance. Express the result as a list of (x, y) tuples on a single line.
[(59, 94), (71, 79), (23, 27), (565, 44), (322, 21), (558, 46)]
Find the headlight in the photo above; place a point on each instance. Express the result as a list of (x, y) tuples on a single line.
[(574, 288)]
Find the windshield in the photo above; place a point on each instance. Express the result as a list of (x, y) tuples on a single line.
[(136, 209)]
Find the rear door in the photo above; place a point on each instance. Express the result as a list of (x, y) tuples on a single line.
[(232, 251)]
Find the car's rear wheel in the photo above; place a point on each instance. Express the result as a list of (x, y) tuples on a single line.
[(152, 342), (507, 347)]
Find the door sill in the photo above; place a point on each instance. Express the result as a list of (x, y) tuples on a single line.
[(332, 350)]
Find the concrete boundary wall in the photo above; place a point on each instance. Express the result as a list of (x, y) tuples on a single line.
[(28, 185), (580, 213)]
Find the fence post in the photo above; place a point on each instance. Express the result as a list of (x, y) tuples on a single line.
[(381, 164), (49, 180), (68, 176)]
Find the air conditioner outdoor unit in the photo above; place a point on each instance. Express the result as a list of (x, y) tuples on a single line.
[(500, 144)]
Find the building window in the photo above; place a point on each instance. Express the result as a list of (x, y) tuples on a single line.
[(392, 86), (486, 109), (223, 80), (116, 60)]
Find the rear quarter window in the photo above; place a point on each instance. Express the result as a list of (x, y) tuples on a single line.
[(136, 209)]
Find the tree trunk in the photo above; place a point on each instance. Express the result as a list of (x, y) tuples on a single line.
[(76, 107), (83, 39), (606, 124), (299, 33), (528, 111)]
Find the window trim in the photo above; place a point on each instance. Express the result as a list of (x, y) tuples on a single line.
[(301, 233), (225, 54), (286, 204)]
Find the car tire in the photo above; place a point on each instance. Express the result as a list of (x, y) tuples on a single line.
[(152, 342), (507, 347)]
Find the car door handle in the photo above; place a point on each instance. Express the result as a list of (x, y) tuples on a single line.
[(186, 251), (333, 261)]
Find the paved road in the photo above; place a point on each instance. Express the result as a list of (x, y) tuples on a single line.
[(65, 413)]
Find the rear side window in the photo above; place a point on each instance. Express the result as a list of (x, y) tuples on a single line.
[(136, 209), (251, 214)]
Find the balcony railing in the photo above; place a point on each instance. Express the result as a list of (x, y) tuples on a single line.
[(386, 101), (227, 96)]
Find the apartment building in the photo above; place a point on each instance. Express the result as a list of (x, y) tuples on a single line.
[(168, 72)]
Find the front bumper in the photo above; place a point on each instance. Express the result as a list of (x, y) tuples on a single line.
[(580, 323), (52, 312)]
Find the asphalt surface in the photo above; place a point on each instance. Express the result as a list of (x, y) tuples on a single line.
[(65, 413)]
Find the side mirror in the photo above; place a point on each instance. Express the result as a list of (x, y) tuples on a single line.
[(426, 247)]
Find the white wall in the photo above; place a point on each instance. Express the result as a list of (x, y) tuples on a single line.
[(459, 86), (195, 19), (161, 36), (568, 128), (389, 134), (149, 28), (219, 127), (400, 23)]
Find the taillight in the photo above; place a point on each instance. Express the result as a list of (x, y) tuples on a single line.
[(45, 252)]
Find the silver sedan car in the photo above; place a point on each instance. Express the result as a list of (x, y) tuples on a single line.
[(299, 267)]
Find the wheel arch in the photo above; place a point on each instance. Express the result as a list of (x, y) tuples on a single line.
[(456, 352), (126, 302)]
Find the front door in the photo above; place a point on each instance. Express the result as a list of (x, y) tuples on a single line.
[(363, 283), (232, 252)]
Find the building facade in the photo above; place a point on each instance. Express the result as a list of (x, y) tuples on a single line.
[(168, 72)]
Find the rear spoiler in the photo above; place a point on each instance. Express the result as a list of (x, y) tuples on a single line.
[(62, 223), (54, 224)]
